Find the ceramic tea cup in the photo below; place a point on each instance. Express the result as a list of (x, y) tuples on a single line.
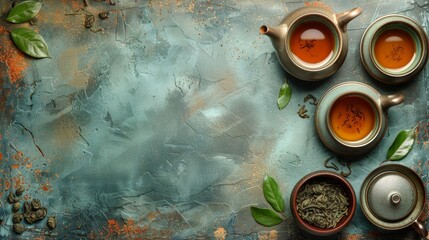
[(311, 42), (314, 181), (393, 49), (351, 118), (392, 197)]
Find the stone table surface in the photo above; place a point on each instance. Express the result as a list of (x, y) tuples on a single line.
[(161, 121)]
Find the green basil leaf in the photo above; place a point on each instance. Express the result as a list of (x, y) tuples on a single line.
[(272, 194), (402, 145), (284, 96), (30, 42), (266, 217), (24, 11)]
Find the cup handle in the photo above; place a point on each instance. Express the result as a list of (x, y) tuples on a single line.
[(388, 101), (345, 17), (420, 229)]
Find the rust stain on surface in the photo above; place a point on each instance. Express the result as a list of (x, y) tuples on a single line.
[(271, 235), (129, 229), (220, 233), (10, 55)]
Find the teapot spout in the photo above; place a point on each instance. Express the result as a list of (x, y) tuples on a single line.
[(276, 34)]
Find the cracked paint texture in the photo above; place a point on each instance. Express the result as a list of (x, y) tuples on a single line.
[(164, 123)]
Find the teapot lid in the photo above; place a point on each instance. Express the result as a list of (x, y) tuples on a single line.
[(391, 196)]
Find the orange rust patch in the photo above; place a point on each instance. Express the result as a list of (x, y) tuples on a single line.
[(128, 229), (46, 187), (271, 235), (353, 237), (14, 59), (220, 233)]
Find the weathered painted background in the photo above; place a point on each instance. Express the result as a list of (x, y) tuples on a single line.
[(163, 124)]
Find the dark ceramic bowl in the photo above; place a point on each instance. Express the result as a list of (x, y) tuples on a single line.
[(330, 177)]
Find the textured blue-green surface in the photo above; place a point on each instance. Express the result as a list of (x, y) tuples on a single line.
[(163, 124)]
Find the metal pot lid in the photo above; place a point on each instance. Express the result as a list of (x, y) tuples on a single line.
[(392, 196)]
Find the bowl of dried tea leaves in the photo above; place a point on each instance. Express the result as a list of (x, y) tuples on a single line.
[(323, 203)]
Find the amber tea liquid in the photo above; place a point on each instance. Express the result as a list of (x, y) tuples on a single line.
[(352, 118), (312, 42), (394, 48)]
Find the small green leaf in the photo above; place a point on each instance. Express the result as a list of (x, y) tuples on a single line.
[(402, 145), (284, 96), (30, 42), (272, 194), (24, 11), (266, 217)]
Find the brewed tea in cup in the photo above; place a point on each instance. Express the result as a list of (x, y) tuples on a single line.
[(394, 49), (313, 42), (352, 117)]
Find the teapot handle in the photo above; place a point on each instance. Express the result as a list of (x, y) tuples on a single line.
[(345, 17), (388, 101), (420, 229)]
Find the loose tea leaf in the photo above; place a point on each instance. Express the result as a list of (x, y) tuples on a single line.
[(16, 206), (402, 145), (27, 207), (272, 194), (24, 11), (333, 165), (266, 217), (313, 99), (17, 217), (11, 198), (19, 190), (284, 96), (35, 204), (18, 228), (30, 217), (89, 20), (302, 112), (103, 15), (30, 42), (52, 222)]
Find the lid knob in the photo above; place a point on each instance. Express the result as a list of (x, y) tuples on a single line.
[(395, 198)]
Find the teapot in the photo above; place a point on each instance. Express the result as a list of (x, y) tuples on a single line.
[(351, 117), (311, 42), (393, 197)]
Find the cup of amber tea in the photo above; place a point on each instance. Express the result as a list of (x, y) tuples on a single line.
[(351, 117), (313, 42), (394, 49)]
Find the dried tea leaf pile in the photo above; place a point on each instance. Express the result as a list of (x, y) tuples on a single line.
[(322, 204), (32, 212)]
